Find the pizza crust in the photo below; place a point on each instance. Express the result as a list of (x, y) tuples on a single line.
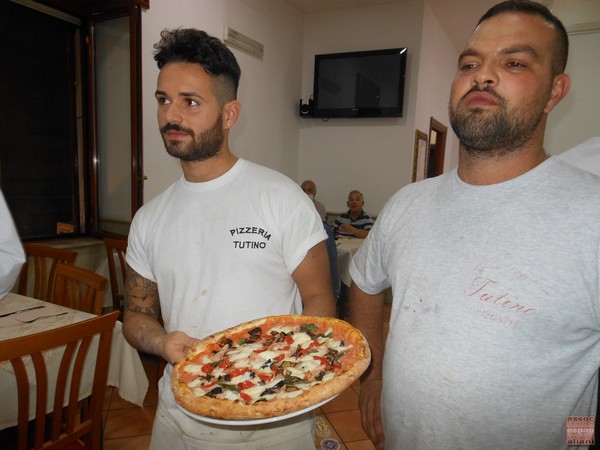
[(356, 363)]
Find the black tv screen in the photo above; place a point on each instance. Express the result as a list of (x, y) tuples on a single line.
[(360, 84)]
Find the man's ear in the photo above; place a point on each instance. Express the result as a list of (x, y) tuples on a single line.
[(231, 112), (560, 88)]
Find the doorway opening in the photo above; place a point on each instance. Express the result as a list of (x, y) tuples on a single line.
[(437, 148)]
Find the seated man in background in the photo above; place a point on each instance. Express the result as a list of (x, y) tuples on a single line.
[(310, 188), (354, 222)]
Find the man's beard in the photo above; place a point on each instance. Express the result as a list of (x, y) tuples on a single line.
[(496, 133), (206, 146)]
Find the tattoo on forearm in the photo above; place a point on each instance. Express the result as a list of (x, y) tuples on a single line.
[(142, 294)]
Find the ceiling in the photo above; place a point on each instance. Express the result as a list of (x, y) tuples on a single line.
[(459, 17), (456, 17)]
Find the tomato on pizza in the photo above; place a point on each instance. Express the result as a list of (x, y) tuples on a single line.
[(270, 367)]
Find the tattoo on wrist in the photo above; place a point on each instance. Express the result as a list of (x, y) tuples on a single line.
[(142, 309)]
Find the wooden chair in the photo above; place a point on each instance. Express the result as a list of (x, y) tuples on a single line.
[(44, 259), (115, 251), (78, 288), (66, 422)]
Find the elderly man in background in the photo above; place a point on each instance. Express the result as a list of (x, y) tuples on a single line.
[(355, 222), (310, 188)]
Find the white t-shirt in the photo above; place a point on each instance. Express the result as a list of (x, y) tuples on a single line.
[(223, 252), (12, 255), (494, 333)]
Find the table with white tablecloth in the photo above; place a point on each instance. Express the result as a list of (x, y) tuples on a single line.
[(126, 371), (346, 248)]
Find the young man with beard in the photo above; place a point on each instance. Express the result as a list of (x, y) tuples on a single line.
[(494, 335), (229, 242)]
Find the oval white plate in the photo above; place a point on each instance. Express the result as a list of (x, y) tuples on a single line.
[(245, 423)]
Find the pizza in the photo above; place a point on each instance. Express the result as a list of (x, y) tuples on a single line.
[(269, 367)]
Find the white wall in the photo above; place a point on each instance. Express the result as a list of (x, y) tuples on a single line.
[(437, 67), (577, 117), (372, 155), (267, 130)]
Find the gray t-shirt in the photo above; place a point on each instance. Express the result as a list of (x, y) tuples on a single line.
[(495, 327)]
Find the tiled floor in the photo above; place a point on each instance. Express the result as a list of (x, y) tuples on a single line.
[(129, 426)]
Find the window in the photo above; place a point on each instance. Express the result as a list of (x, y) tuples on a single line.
[(68, 164)]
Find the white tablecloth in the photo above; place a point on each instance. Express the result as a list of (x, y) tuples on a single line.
[(126, 371), (346, 248)]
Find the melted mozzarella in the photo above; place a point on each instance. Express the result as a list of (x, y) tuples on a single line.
[(240, 353), (292, 394), (295, 372), (230, 395), (195, 369), (199, 392), (218, 372), (247, 376), (301, 338), (328, 376), (256, 363), (268, 354), (308, 364), (334, 344), (196, 382), (254, 392), (282, 329), (343, 349)]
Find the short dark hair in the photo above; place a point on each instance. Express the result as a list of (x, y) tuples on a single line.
[(188, 45), (561, 50)]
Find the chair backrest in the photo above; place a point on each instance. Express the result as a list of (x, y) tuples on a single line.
[(115, 253), (65, 422), (44, 260), (79, 288)]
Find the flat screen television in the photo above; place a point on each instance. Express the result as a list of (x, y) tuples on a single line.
[(360, 84)]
